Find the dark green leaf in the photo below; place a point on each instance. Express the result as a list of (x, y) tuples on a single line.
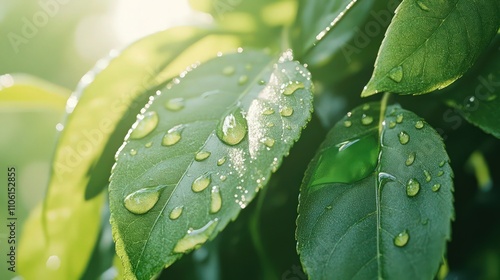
[(479, 100), (376, 207), (430, 44), (200, 152)]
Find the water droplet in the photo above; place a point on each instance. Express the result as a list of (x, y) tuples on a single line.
[(286, 111), (442, 163), (228, 70), (270, 124), (440, 173), (366, 120), (148, 145), (422, 6), (396, 74), (419, 124), (329, 207), (223, 178), (201, 183), (411, 158), (195, 237), (202, 155), (401, 239), (424, 221), (242, 80), (427, 175), (133, 152), (215, 200), (268, 111), (404, 138), (399, 118), (412, 187), (176, 212), (233, 128), (53, 263), (293, 87), (269, 142), (175, 104), (392, 124), (141, 201), (248, 66), (221, 161), (366, 107), (347, 123), (436, 187), (145, 125), (262, 82), (172, 137)]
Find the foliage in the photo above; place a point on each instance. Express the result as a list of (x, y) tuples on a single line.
[(191, 123)]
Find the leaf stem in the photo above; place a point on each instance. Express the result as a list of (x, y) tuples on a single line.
[(383, 108), (320, 36)]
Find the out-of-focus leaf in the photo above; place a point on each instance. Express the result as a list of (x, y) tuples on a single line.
[(374, 194), (200, 152), (430, 44)]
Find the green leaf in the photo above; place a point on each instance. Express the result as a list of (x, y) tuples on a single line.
[(376, 205), (312, 19), (200, 152), (478, 97), (83, 157), (430, 44)]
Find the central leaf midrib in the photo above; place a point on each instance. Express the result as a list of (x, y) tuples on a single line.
[(248, 88)]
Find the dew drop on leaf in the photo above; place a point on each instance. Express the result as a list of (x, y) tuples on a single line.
[(411, 158), (442, 163), (396, 74), (422, 5), (232, 128), (215, 200), (404, 138), (427, 175), (148, 145), (195, 237), (176, 212), (436, 187), (401, 239), (221, 161), (292, 87), (141, 201), (175, 104), (228, 70), (268, 111), (262, 82), (366, 120), (440, 173), (392, 124), (419, 124), (269, 142), (201, 183), (366, 107), (412, 187), (347, 123), (286, 111), (145, 125), (242, 80), (53, 263), (399, 118), (172, 137), (223, 178), (133, 152), (202, 155)]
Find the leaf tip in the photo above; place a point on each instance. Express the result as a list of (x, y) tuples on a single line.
[(369, 90)]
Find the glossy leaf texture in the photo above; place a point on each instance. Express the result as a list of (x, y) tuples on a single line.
[(477, 98), (83, 157), (200, 152), (430, 44), (376, 207), (312, 27)]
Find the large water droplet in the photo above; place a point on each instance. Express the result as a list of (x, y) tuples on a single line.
[(293, 87), (396, 74), (221, 161), (401, 239), (269, 142), (366, 120), (286, 111), (215, 200), (195, 237), (422, 5), (141, 201), (361, 153), (427, 175), (404, 138), (201, 183), (173, 136), (202, 155), (419, 124), (228, 70), (347, 123), (176, 212), (399, 118), (146, 124), (242, 80), (411, 158), (53, 263), (412, 187), (233, 128), (175, 104), (436, 187)]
